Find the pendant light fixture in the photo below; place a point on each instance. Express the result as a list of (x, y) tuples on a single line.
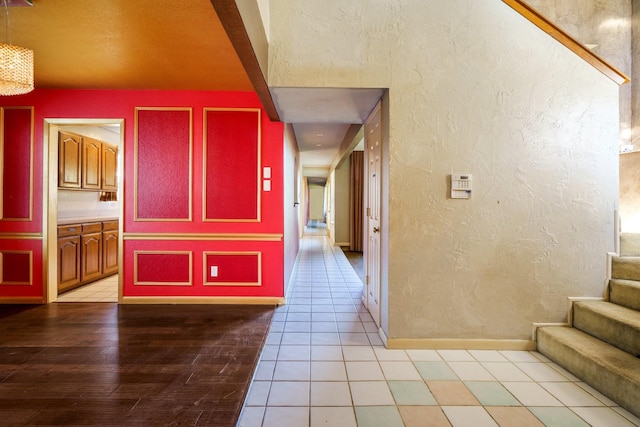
[(16, 65)]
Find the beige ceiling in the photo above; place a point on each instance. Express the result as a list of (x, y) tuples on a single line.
[(127, 44)]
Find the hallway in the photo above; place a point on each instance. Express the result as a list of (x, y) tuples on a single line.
[(324, 365)]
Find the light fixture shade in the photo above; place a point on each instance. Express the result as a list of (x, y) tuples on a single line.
[(16, 70)]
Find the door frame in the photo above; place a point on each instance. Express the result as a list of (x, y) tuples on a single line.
[(50, 201)]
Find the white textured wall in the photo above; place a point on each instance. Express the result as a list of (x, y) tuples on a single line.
[(473, 87), (263, 6), (291, 212), (635, 101)]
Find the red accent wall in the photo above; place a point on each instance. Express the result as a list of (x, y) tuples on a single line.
[(164, 206)]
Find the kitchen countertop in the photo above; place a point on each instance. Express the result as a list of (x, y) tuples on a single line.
[(80, 220)]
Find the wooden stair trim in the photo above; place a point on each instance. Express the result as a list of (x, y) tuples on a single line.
[(569, 42)]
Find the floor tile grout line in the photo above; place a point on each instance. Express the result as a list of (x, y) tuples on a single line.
[(380, 358)]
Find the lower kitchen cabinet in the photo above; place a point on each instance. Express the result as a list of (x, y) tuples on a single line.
[(68, 262), (86, 252), (109, 247)]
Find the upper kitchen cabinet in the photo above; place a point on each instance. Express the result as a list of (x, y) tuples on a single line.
[(86, 163), (91, 163), (109, 167), (69, 160)]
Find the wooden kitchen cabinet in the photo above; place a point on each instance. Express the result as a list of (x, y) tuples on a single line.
[(68, 257), (109, 247), (109, 167), (86, 163), (91, 164), (86, 252), (91, 252), (69, 160)]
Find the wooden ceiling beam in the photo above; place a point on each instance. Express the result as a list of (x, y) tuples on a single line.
[(231, 20)]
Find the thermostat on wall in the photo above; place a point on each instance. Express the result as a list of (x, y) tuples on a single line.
[(461, 186)]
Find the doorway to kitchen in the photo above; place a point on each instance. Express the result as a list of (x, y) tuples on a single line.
[(83, 210)]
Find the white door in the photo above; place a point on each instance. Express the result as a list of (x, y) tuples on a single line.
[(373, 156)]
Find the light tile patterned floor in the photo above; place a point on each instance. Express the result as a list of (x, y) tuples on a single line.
[(324, 365), (105, 290)]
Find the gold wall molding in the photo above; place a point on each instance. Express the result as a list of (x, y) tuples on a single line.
[(205, 169), (257, 237), (21, 236), (29, 281), (136, 217), (29, 217), (206, 282), (137, 282)]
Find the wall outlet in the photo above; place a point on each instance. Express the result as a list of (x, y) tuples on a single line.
[(214, 271)]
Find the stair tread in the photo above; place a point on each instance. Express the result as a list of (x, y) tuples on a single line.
[(630, 243), (625, 267), (612, 323), (612, 371), (625, 292), (613, 311), (603, 353)]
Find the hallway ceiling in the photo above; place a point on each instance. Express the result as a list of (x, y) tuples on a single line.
[(169, 45)]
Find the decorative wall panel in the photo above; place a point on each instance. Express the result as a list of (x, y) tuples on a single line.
[(233, 268), (16, 152), (16, 267), (163, 164), (163, 268), (232, 165)]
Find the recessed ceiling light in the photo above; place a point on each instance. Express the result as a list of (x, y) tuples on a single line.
[(318, 145), (319, 134)]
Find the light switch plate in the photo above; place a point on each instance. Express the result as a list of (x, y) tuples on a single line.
[(214, 271), (266, 185), (266, 172)]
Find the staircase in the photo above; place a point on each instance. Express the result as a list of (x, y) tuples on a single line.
[(602, 346)]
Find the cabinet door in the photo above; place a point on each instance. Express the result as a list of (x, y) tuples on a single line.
[(69, 158), (109, 252), (109, 167), (91, 256), (68, 262), (91, 163)]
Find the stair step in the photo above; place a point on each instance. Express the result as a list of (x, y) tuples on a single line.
[(625, 267), (611, 371), (625, 293), (614, 324), (630, 244)]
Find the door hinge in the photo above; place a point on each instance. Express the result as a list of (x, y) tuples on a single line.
[(368, 211), (366, 280)]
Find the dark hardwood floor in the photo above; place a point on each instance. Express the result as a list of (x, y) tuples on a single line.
[(356, 261), (109, 364)]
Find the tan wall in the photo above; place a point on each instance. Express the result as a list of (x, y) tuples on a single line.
[(341, 203), (316, 202), (473, 87), (607, 24)]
